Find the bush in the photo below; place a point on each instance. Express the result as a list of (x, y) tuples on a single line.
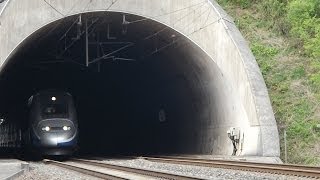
[(304, 19), (275, 12), (298, 18)]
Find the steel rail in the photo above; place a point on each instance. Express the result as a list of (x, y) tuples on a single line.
[(83, 170), (285, 169), (137, 171), (145, 172)]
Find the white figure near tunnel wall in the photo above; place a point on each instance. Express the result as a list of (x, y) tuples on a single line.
[(219, 70)]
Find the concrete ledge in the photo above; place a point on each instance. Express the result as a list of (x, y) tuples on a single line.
[(11, 169), (15, 175)]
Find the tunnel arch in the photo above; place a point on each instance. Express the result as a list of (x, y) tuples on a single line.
[(244, 93)]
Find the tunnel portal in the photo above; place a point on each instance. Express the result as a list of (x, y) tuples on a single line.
[(142, 86), (145, 88)]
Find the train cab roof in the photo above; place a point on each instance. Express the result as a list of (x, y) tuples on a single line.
[(49, 92), (52, 91)]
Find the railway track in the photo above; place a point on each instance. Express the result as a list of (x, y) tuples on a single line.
[(283, 169), (114, 172)]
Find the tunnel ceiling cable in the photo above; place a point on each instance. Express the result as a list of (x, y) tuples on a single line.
[(112, 53), (55, 9), (152, 35), (73, 6), (167, 27), (75, 40), (168, 13), (65, 15), (100, 44), (86, 6), (180, 19), (91, 31), (108, 56), (149, 36), (199, 15), (83, 32), (57, 24), (205, 22), (64, 35), (182, 38), (60, 56), (78, 19), (111, 4)]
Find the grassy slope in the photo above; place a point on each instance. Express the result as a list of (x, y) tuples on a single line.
[(287, 74)]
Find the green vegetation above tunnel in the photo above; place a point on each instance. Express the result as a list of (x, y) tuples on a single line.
[(285, 39)]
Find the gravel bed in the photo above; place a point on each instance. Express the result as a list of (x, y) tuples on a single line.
[(195, 171), (41, 171)]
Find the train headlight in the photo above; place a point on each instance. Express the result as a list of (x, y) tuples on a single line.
[(47, 128), (66, 128)]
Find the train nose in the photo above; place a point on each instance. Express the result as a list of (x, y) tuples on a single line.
[(55, 132), (53, 139)]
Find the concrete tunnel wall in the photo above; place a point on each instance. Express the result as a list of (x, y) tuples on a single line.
[(242, 101)]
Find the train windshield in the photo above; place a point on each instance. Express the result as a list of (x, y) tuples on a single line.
[(53, 105), (55, 110)]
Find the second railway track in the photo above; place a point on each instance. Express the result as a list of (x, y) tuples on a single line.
[(284, 169)]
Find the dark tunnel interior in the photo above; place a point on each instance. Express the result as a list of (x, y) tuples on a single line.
[(147, 89)]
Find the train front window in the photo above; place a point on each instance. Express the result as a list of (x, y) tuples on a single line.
[(54, 110)]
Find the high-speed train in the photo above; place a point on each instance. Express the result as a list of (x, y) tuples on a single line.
[(53, 126)]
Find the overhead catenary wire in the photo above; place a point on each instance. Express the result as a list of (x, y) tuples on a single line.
[(110, 5), (83, 10), (176, 22), (132, 44), (73, 6), (65, 34), (113, 2), (201, 4), (205, 22), (70, 10), (147, 37), (181, 38), (199, 15), (75, 40), (168, 13), (54, 8)]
